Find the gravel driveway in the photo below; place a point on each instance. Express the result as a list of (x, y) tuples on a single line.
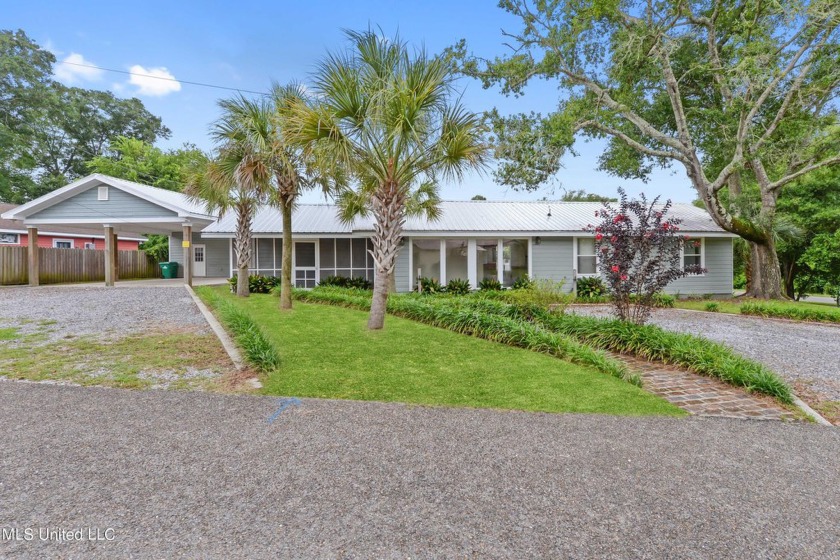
[(199, 475), (806, 352), (79, 310)]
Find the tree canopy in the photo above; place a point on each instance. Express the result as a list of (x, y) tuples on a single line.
[(48, 131)]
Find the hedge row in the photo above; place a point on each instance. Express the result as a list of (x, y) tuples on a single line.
[(781, 310), (257, 348), (449, 314), (650, 342)]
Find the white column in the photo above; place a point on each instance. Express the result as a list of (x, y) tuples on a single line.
[(531, 258), (409, 246), (443, 261), (500, 260), (472, 263)]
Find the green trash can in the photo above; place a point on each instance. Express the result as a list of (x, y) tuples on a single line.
[(169, 269)]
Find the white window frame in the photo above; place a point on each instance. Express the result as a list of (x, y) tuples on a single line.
[(102, 193), (702, 253), (575, 255), (15, 236), (56, 241), (90, 245)]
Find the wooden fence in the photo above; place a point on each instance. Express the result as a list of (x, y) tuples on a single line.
[(58, 266)]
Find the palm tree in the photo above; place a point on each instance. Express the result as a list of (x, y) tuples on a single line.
[(387, 117), (238, 179)]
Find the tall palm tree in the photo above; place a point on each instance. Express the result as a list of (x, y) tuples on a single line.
[(388, 117), (238, 179)]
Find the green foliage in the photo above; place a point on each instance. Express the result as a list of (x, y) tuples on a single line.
[(490, 284), (246, 332), (356, 283), (590, 287), (156, 247), (464, 316), (135, 160), (543, 294), (790, 311), (522, 283), (48, 131), (712, 306), (430, 286), (581, 195), (257, 284), (458, 287), (820, 264)]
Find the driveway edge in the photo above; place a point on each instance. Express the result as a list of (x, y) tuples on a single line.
[(221, 334), (816, 416)]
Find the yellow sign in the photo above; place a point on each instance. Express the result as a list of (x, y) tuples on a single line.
[(185, 244)]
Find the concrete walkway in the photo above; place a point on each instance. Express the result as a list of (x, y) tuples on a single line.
[(195, 475)]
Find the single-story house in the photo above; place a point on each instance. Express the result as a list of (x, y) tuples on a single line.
[(12, 233), (472, 240)]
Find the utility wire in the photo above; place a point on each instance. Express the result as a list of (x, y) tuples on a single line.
[(161, 78)]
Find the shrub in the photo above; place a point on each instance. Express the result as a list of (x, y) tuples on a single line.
[(463, 315), (522, 283), (544, 294), (490, 284), (257, 284), (255, 345), (790, 311), (639, 253), (590, 287), (357, 282), (430, 286), (458, 287), (659, 299), (712, 306)]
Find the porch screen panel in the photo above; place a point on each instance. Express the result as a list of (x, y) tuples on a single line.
[(344, 256), (515, 254), (278, 255), (265, 258), (486, 258), (456, 260), (327, 258), (360, 257)]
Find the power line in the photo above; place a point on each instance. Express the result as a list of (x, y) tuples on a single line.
[(161, 78)]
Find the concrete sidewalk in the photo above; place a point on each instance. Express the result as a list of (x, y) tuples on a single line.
[(199, 475)]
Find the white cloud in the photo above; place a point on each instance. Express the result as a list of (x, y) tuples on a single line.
[(155, 82), (75, 68)]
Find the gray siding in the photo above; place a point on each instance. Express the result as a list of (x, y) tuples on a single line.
[(119, 205), (552, 259), (401, 272), (216, 254), (718, 278)]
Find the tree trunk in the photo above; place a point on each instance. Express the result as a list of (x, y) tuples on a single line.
[(766, 280), (389, 210), (286, 267), (392, 282), (243, 248), (379, 304), (790, 274)]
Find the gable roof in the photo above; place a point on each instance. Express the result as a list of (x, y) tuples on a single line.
[(459, 217), (176, 202), (16, 226)]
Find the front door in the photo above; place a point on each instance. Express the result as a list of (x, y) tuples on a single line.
[(199, 261), (305, 264)]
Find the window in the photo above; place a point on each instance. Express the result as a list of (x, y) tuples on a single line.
[(8, 239), (349, 258), (586, 259), (514, 260), (692, 251), (63, 243), (102, 193), (90, 245)]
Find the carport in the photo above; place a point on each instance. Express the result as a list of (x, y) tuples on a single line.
[(119, 207)]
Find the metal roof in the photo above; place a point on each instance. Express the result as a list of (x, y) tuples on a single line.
[(475, 217)]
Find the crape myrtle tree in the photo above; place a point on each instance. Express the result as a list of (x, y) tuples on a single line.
[(736, 92), (639, 250), (392, 119)]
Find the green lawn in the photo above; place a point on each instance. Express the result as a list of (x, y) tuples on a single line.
[(327, 352), (734, 305)]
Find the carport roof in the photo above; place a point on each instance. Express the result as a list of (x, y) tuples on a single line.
[(176, 208)]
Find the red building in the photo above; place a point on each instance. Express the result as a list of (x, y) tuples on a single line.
[(12, 232)]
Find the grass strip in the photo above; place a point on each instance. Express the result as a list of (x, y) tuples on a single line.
[(447, 313), (790, 311), (246, 332)]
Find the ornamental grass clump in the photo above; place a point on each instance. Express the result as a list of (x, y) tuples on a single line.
[(639, 253), (789, 311)]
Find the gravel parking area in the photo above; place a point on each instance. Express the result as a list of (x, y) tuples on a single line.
[(199, 475), (59, 311), (806, 352)]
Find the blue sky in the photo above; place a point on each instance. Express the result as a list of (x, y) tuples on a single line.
[(248, 44)]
